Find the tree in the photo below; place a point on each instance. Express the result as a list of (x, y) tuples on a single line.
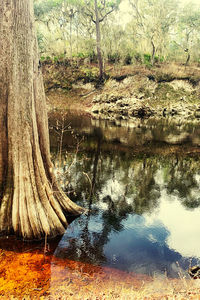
[(154, 19), (188, 28), (59, 16), (98, 11), (32, 205), (50, 17)]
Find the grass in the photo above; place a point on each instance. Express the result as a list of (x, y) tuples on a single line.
[(64, 77), (115, 288), (81, 281)]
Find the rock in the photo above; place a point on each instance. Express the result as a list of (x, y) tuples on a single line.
[(141, 112), (164, 112), (140, 96), (194, 272), (96, 111), (197, 113), (128, 99), (173, 112), (182, 98)]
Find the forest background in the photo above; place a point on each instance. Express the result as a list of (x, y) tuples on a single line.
[(131, 32)]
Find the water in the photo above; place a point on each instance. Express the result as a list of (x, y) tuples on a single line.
[(140, 183)]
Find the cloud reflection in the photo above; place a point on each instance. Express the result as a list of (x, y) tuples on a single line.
[(183, 225)]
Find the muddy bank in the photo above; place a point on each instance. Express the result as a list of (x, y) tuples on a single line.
[(128, 93)]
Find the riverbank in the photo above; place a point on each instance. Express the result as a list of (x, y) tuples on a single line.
[(130, 92)]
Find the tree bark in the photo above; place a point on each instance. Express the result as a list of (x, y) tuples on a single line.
[(98, 41), (31, 204)]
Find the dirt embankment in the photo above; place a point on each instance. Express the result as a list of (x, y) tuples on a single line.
[(129, 91)]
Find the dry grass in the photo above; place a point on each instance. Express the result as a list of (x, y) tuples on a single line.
[(173, 70), (120, 285), (36, 276), (179, 70), (157, 289)]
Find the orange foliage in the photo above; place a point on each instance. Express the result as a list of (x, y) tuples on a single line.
[(23, 273), (34, 275)]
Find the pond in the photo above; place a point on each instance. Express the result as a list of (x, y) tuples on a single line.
[(140, 182)]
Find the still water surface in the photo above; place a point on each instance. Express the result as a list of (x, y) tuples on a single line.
[(140, 183)]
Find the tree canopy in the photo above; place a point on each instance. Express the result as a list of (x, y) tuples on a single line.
[(149, 31)]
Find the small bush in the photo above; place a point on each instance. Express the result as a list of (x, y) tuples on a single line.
[(138, 57), (147, 58), (128, 59), (61, 56), (92, 56), (55, 59), (90, 74), (80, 55), (161, 59), (156, 59), (164, 77), (113, 57)]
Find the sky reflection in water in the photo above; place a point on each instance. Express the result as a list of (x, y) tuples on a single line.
[(144, 212)]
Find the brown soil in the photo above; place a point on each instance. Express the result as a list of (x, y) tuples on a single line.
[(63, 100)]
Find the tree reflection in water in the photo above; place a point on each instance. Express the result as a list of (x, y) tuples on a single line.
[(125, 192)]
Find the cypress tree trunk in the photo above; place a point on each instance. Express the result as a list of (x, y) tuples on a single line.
[(31, 203)]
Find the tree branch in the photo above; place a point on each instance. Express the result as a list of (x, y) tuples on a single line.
[(109, 12)]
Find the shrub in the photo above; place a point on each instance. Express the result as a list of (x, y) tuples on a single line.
[(128, 59), (61, 56), (138, 57), (92, 56), (156, 59), (80, 55), (162, 59), (147, 58), (113, 57), (55, 59)]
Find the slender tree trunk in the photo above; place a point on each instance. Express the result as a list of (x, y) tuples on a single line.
[(70, 36), (98, 41), (77, 40), (153, 53), (31, 203), (188, 59)]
